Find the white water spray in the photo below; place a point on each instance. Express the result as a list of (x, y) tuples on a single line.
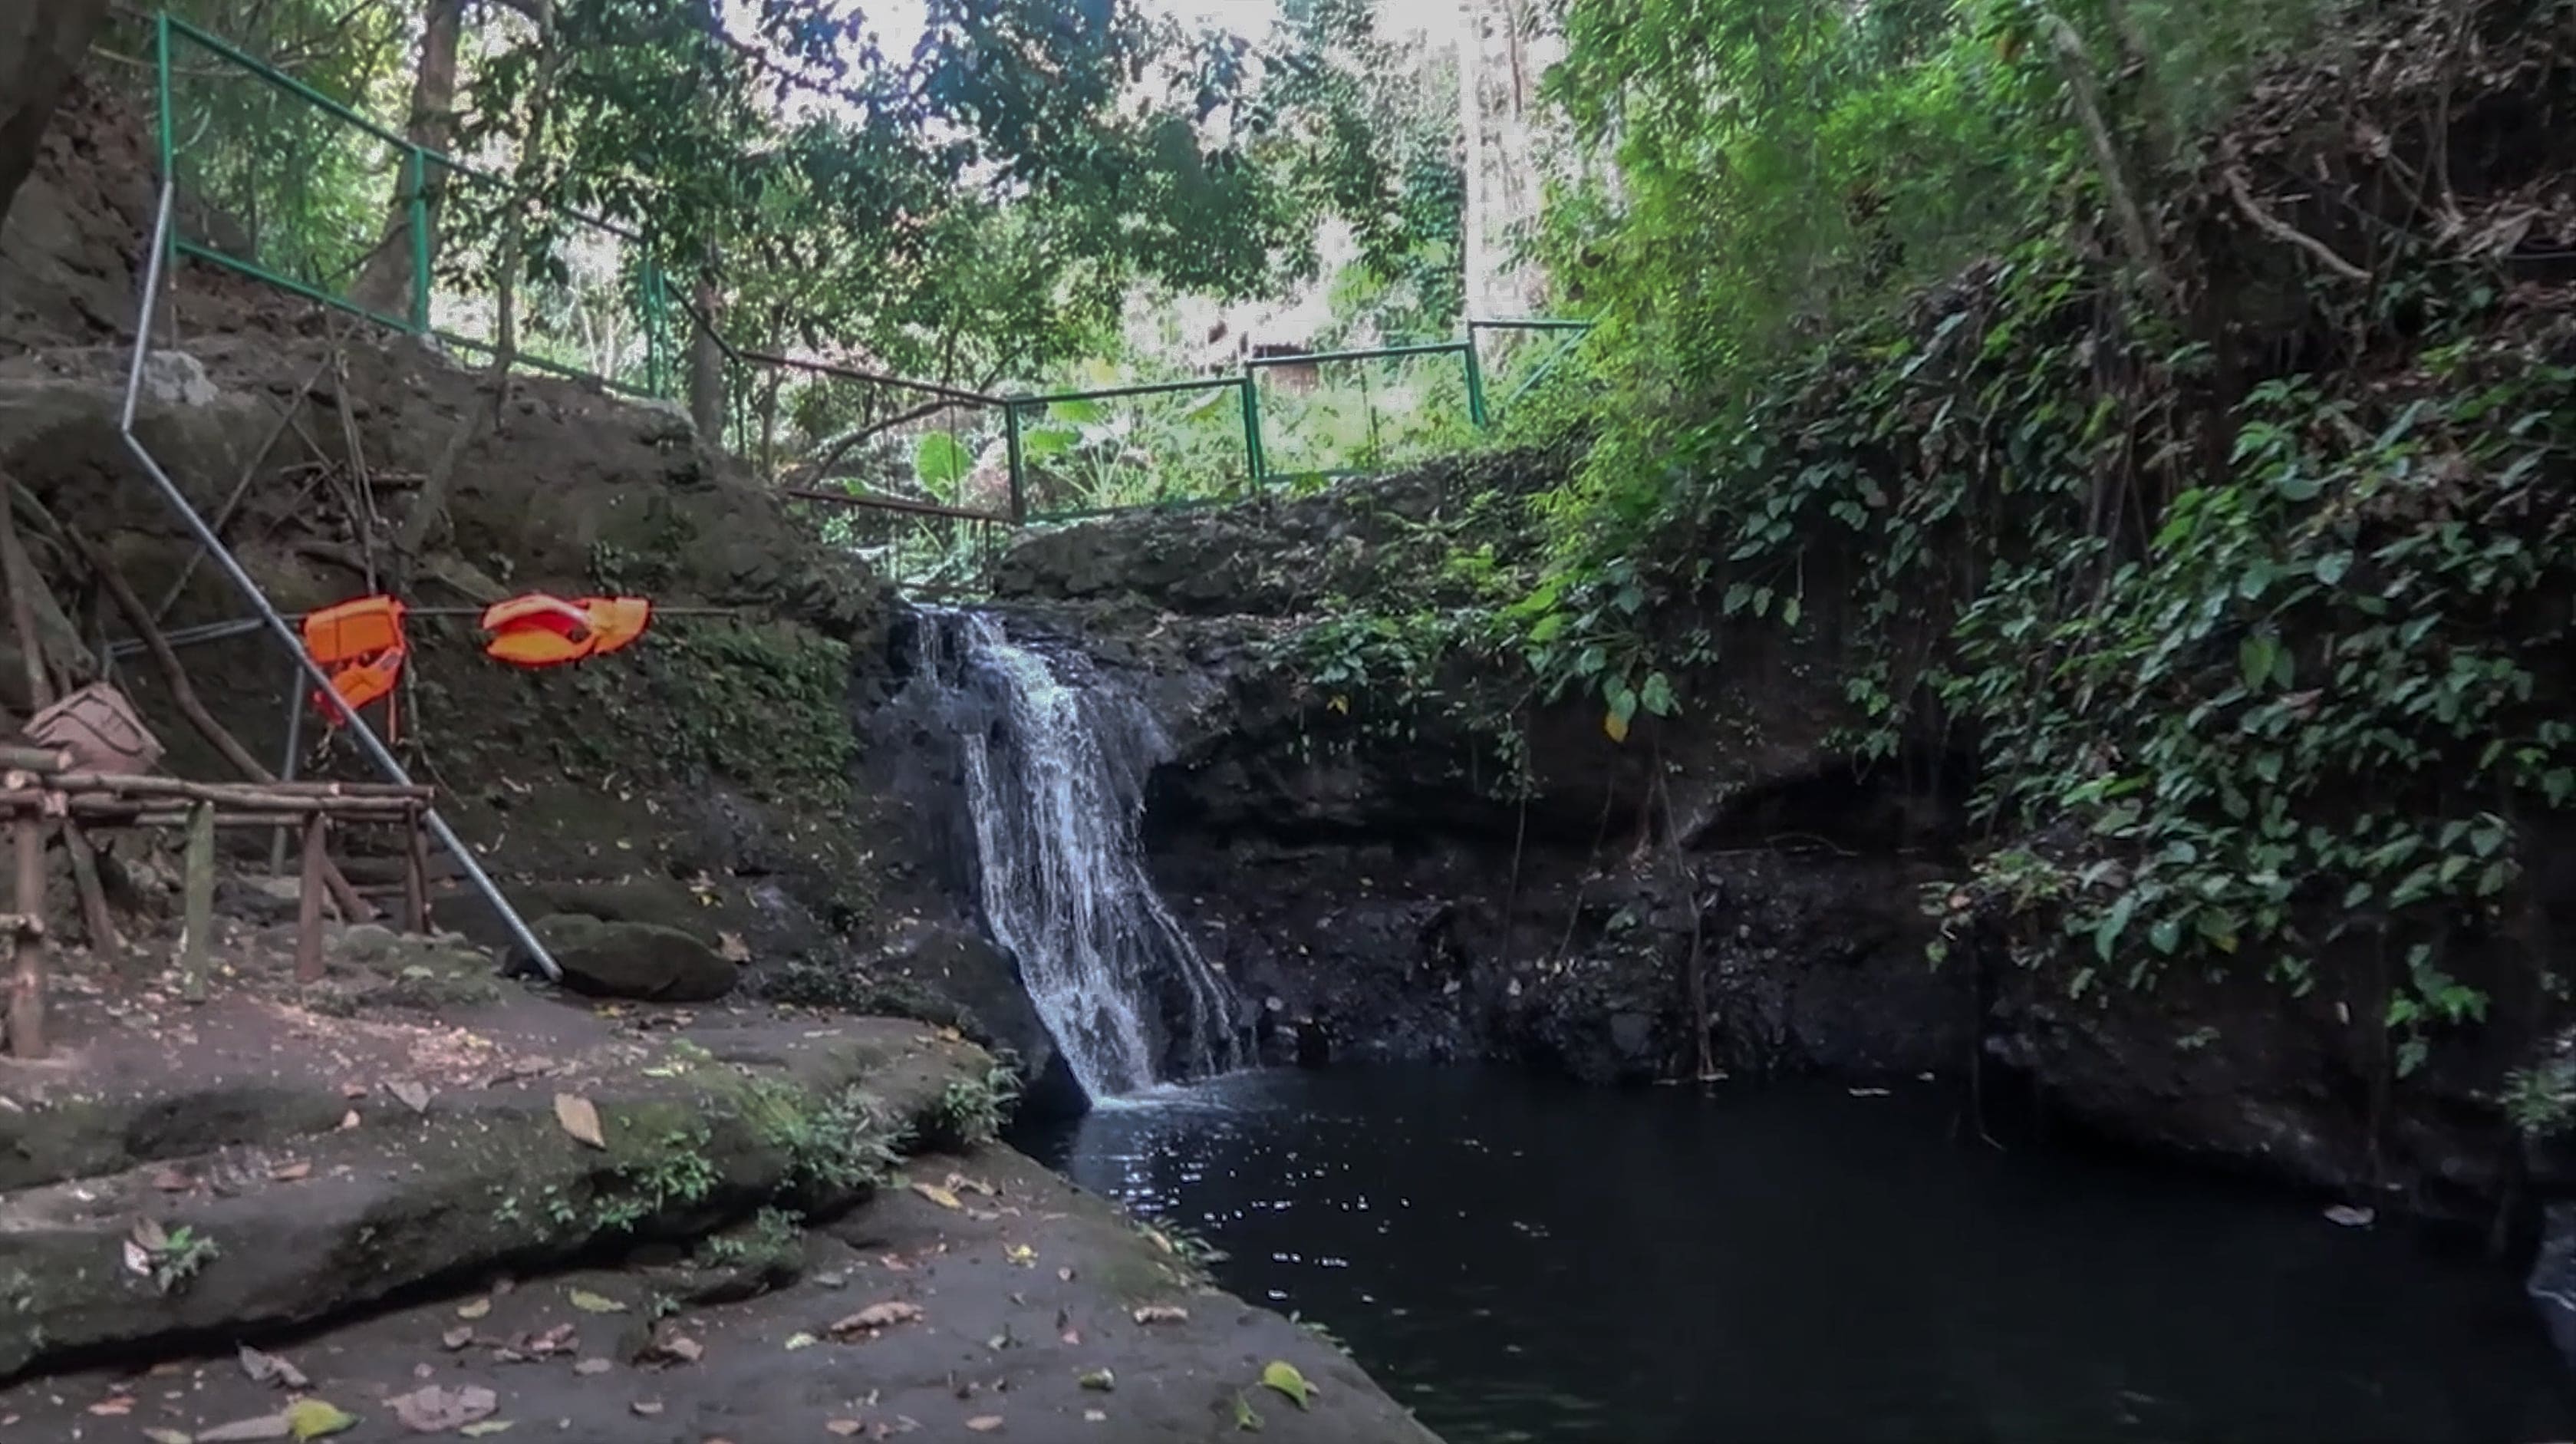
[(1118, 982)]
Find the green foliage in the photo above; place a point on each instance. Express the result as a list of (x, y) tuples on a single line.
[(1785, 169), (765, 705), (2540, 1100), (670, 1170), (972, 1111), (835, 1146)]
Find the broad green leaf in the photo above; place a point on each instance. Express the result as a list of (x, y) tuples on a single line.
[(1657, 695), (316, 1419), (1282, 1376), (1079, 412), (940, 460), (1037, 443)]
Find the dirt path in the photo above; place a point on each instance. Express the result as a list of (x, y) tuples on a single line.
[(1027, 1294)]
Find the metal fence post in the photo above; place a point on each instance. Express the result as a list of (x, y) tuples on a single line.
[(1475, 382), (419, 241), (1252, 458), (1019, 464), (161, 88)]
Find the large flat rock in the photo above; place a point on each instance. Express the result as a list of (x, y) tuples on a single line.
[(698, 1125), (1025, 1289)]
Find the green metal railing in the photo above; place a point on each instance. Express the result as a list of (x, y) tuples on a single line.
[(279, 231), (1263, 448), (310, 196)]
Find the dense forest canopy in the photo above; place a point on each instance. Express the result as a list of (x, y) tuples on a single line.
[(974, 206)]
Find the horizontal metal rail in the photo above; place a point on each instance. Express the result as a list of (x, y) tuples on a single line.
[(892, 503), (1319, 358), (1115, 393)]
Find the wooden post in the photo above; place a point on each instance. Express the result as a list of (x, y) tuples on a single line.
[(27, 940), (415, 873), (308, 921), (200, 906), (101, 925)]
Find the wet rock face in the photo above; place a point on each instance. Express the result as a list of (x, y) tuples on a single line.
[(1370, 898)]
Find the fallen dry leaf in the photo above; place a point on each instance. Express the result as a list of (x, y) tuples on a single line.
[(845, 1428), (561, 1339), (270, 1369), (985, 1423), (580, 1118), (292, 1172), (473, 1308), (1162, 1314), (437, 1409), (679, 1348), (591, 1303), (876, 1317), (732, 948), (415, 1096), (457, 1338), (167, 1436), (589, 1367), (488, 1426), (348, 1120), (114, 1406), (353, 1090), (646, 1408), (938, 1195)]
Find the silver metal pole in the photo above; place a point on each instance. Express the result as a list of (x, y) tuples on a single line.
[(242, 582)]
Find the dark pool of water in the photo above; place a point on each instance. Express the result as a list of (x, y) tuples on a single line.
[(1527, 1261)]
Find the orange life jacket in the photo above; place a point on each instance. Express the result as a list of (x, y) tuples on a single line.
[(360, 644), (537, 630)]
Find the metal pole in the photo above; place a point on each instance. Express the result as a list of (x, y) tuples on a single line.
[(371, 744), (1019, 464), (1475, 383), (1252, 458)]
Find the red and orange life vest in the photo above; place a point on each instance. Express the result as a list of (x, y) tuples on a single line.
[(360, 644), (542, 631)]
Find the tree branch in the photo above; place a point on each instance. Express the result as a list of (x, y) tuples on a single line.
[(2280, 230)]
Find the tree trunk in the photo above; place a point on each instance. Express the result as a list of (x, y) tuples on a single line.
[(387, 282), (429, 504), (41, 45), (706, 362)]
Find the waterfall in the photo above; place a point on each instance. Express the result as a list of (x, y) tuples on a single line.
[(1054, 777)]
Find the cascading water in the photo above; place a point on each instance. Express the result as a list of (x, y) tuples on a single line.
[(1054, 779)]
